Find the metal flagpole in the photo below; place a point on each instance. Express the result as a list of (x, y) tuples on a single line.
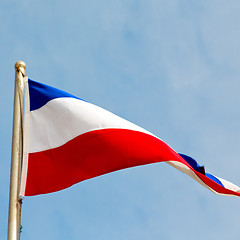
[(17, 144)]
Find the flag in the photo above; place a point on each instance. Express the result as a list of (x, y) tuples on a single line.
[(68, 140)]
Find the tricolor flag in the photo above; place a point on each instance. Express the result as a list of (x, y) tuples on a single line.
[(68, 140)]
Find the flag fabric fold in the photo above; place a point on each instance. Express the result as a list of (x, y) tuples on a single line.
[(68, 140)]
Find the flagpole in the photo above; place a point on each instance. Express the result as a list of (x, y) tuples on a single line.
[(17, 144)]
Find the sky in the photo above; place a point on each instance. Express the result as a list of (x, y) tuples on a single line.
[(172, 67)]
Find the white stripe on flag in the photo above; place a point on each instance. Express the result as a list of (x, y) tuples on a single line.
[(63, 119)]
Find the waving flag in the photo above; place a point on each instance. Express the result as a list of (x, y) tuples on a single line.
[(68, 140)]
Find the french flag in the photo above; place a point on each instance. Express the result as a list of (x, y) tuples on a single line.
[(68, 140)]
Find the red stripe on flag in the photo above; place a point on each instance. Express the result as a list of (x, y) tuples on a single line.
[(96, 153)]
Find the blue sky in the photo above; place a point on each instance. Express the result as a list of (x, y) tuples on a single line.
[(172, 67)]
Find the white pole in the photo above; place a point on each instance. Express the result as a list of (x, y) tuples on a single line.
[(14, 199)]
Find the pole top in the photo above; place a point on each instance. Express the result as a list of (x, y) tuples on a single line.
[(21, 67)]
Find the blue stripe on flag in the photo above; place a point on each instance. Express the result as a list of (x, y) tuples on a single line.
[(214, 179), (199, 168), (40, 94), (193, 163)]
